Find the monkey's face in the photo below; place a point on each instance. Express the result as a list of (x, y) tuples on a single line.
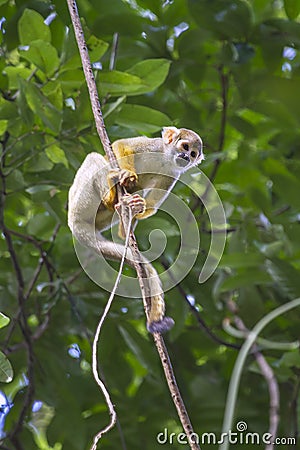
[(189, 151), (189, 154), (184, 145)]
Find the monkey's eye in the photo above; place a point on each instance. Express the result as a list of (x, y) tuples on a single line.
[(193, 154), (186, 147)]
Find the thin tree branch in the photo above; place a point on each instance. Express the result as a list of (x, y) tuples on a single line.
[(175, 393), (42, 262), (201, 322), (268, 375), (113, 56), (294, 405), (22, 321), (96, 107), (224, 96), (90, 80), (271, 381), (163, 353)]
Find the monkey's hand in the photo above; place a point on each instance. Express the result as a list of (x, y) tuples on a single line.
[(125, 177), (136, 203)]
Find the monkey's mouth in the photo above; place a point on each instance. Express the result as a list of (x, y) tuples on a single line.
[(182, 159)]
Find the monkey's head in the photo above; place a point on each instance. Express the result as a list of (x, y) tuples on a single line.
[(185, 145)]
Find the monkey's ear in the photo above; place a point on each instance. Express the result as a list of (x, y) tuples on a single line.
[(169, 134)]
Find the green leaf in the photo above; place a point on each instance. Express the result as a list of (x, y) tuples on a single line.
[(138, 345), (8, 110), (16, 180), (6, 371), (290, 359), (286, 184), (226, 18), (40, 191), (243, 126), (3, 126), (57, 155), (272, 47), (53, 91), (120, 21), (42, 107), (96, 48), (31, 27), (71, 80), (39, 423), (154, 222), (41, 225), (40, 164), (16, 73), (292, 8), (119, 83), (252, 276), (244, 52), (56, 208), (152, 72), (152, 5), (241, 260), (4, 320), (285, 276), (23, 107), (280, 89), (43, 55), (70, 56), (272, 249), (142, 119)]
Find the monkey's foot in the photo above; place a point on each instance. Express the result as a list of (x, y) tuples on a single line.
[(125, 177), (160, 326), (135, 202), (137, 205)]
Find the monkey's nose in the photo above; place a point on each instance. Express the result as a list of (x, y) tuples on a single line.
[(182, 159)]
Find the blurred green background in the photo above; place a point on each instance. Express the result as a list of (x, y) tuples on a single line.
[(228, 69)]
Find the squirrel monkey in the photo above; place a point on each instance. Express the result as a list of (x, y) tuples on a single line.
[(150, 165)]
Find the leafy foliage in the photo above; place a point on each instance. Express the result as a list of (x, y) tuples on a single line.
[(229, 69)]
